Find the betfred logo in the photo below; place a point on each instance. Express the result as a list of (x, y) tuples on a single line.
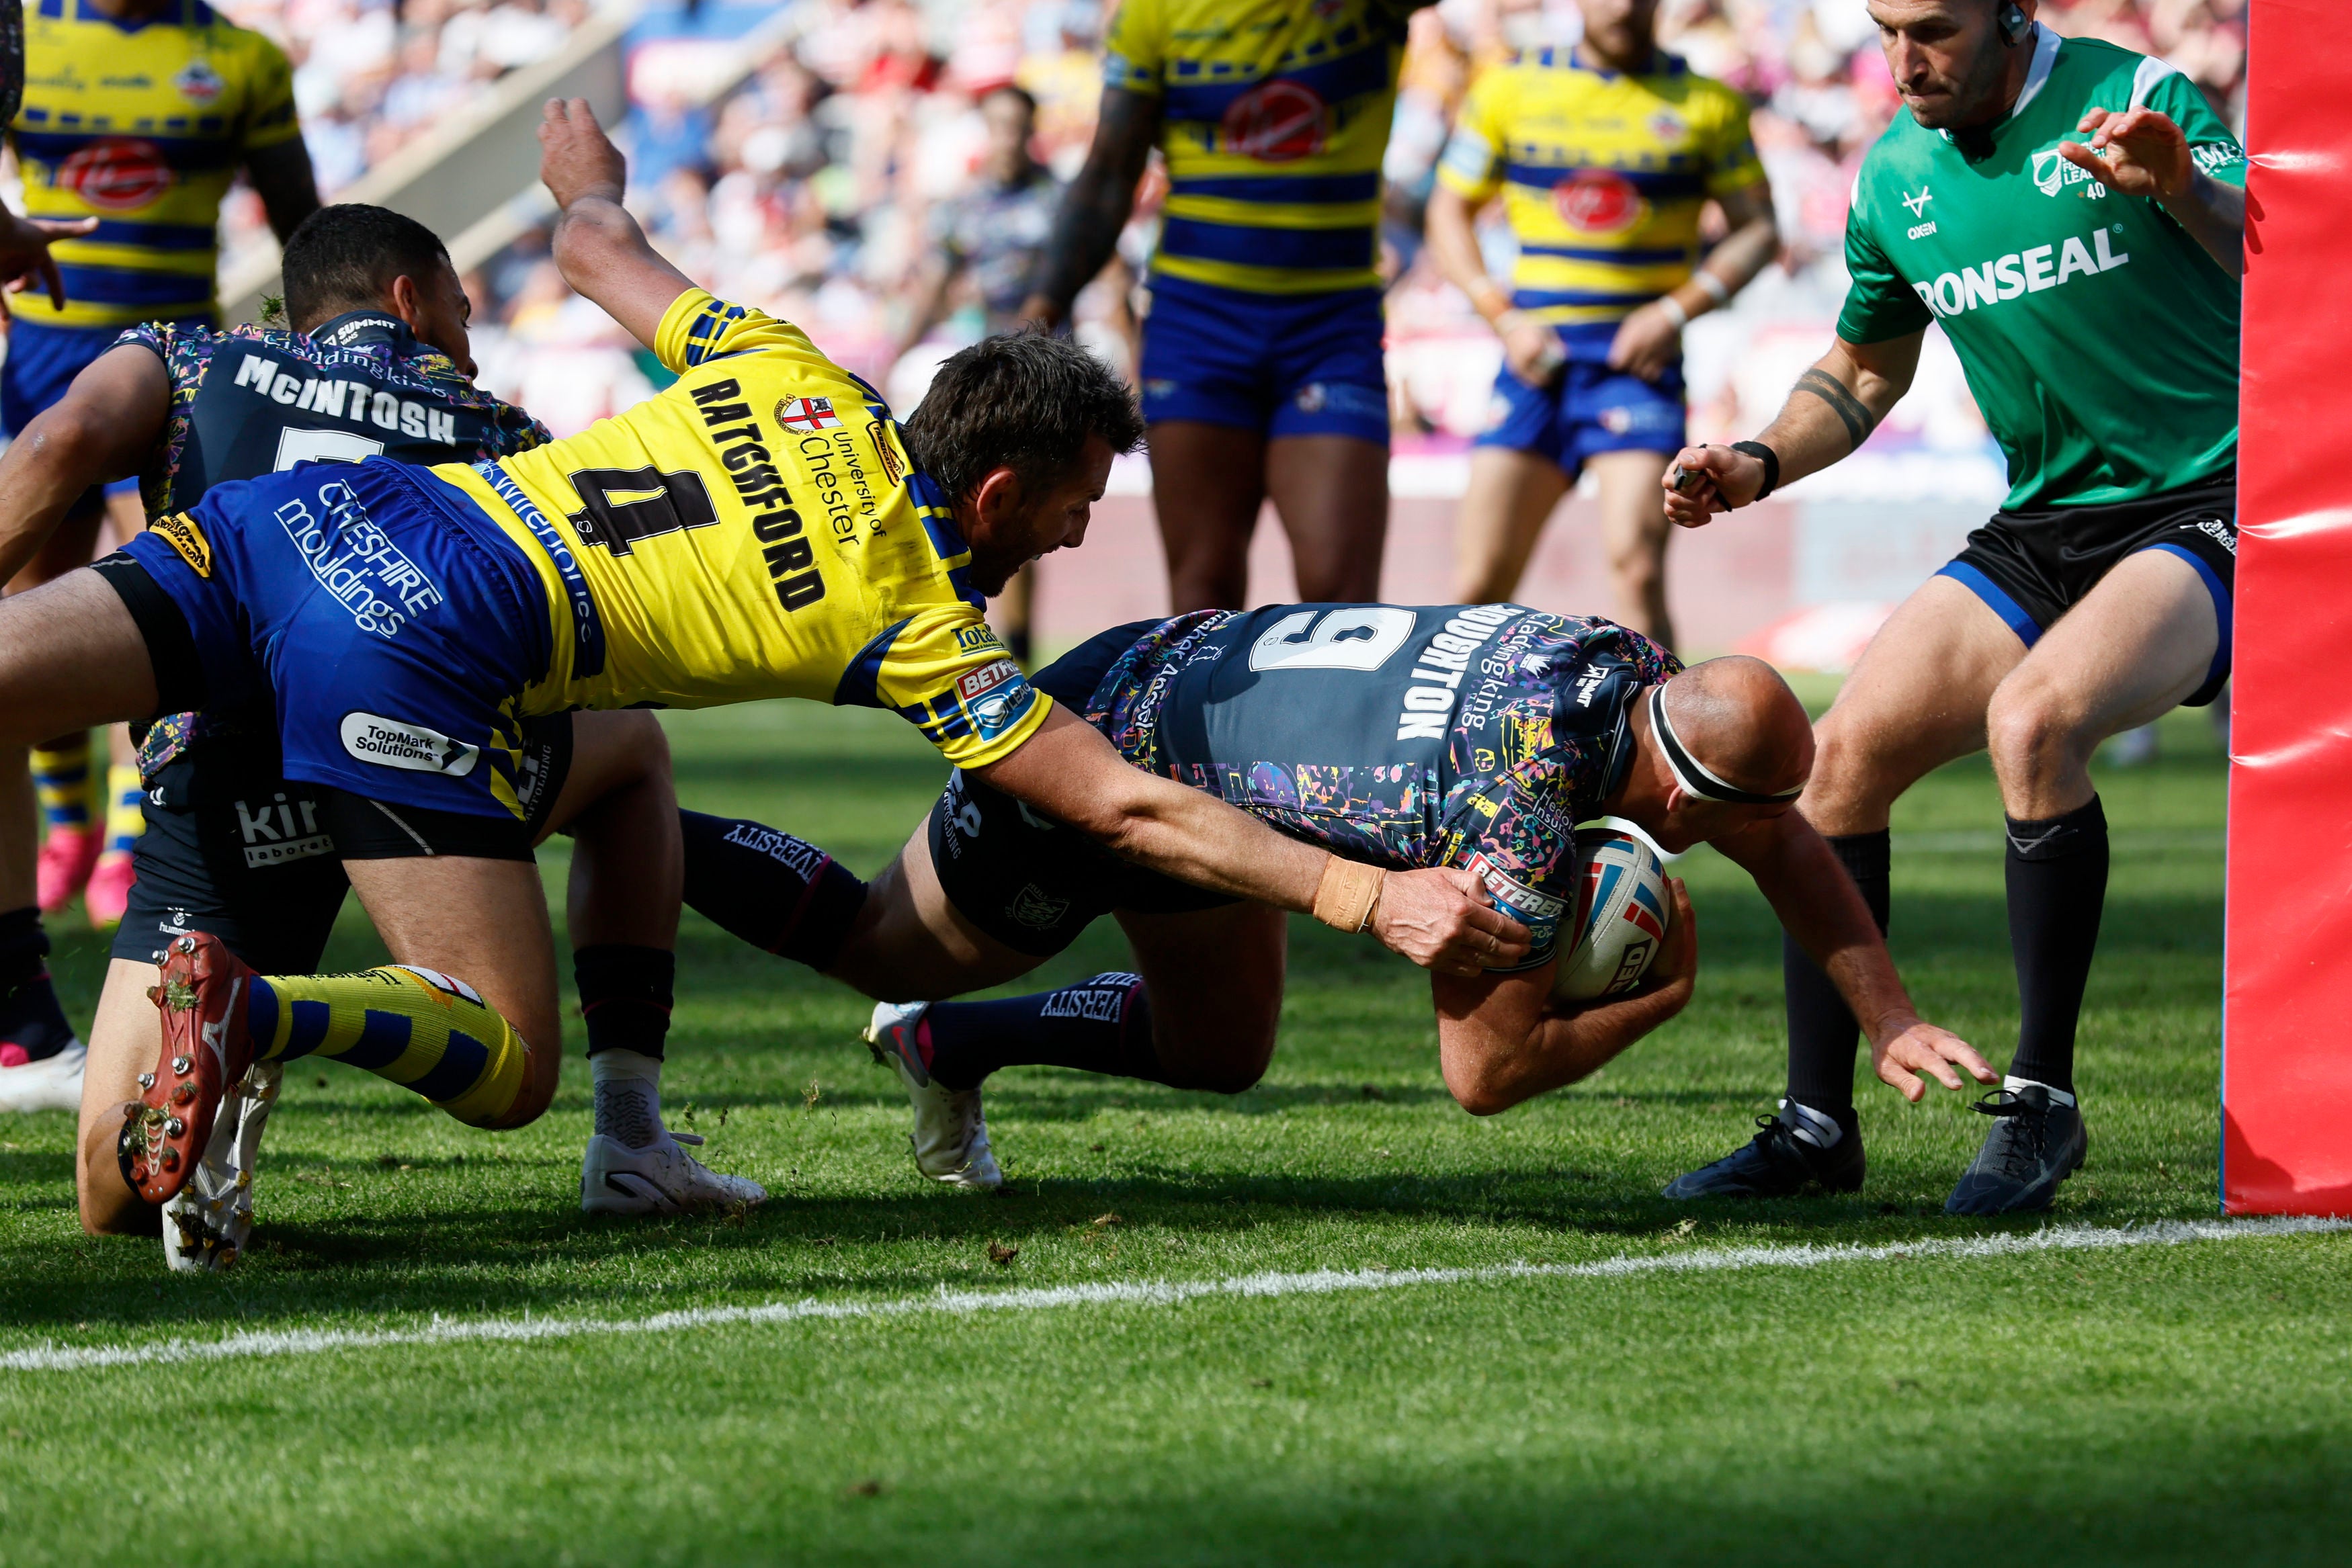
[(973, 684), (1275, 124), (1596, 201), (120, 174)]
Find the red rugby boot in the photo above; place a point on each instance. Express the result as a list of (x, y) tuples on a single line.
[(201, 996)]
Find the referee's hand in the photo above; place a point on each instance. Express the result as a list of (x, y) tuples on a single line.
[(2138, 153), (1705, 480)]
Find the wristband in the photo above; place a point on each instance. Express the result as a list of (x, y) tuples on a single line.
[(1716, 288), (1767, 457), (1673, 307), (1345, 897)]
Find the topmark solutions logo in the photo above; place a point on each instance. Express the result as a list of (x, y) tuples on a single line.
[(391, 743)]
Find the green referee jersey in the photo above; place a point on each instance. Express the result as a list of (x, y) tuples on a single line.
[(2099, 338)]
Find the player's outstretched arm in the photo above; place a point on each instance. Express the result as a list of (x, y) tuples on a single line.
[(599, 248), (1441, 920), (2142, 153), (1503, 1039), (1820, 907), (1095, 206), (101, 430), (1831, 411)]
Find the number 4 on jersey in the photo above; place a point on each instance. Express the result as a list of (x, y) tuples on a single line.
[(618, 507)]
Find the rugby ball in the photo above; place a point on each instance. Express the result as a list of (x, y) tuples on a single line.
[(1622, 913)]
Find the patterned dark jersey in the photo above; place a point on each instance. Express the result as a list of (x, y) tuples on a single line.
[(255, 399), (1409, 736)]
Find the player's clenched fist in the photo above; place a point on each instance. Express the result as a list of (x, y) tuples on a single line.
[(1705, 480), (1443, 919), (576, 159)]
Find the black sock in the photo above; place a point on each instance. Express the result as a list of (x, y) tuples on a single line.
[(626, 993), (782, 895), (1822, 1034), (2057, 885), (32, 1025), (1099, 1025)]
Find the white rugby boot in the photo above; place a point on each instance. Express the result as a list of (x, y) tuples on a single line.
[(660, 1178), (207, 1222), (951, 1135), (52, 1084)]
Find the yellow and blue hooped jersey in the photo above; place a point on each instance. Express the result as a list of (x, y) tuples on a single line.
[(1275, 115), (1605, 175), (142, 125), (755, 530)]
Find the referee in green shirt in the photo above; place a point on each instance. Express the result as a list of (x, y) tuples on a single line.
[(2072, 215)]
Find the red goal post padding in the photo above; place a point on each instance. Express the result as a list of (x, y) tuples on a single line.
[(2286, 1077)]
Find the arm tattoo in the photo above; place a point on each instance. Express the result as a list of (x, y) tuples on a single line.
[(1859, 421)]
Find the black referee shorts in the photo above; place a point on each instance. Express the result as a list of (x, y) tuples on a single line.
[(2033, 565)]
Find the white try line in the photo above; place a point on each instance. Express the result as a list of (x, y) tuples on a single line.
[(1153, 1294)]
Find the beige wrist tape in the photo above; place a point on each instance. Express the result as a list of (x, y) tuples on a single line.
[(1344, 899)]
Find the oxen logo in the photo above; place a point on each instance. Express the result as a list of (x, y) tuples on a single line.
[(1597, 201), (1275, 124), (120, 175)]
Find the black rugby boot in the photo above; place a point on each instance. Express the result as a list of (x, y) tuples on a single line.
[(2034, 1145), (1777, 1163)]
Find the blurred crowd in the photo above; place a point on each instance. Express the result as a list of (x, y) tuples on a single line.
[(809, 187)]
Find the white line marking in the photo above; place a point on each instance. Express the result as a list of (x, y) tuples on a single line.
[(1156, 1294)]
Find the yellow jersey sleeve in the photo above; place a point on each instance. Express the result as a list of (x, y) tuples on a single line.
[(1731, 148), (269, 95), (1473, 159), (699, 328), (1134, 53), (943, 670)]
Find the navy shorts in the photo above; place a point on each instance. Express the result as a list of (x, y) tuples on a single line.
[(2033, 565), (1030, 882), (42, 364), (392, 625), (1589, 408), (1281, 364)]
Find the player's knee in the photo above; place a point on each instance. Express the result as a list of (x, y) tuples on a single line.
[(2031, 729), (1849, 773)]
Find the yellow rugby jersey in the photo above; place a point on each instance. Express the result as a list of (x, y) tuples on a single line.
[(754, 531), (1275, 115), (1605, 175), (142, 125)]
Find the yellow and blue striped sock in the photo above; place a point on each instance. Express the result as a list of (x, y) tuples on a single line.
[(415, 1027), (62, 780), (124, 820)]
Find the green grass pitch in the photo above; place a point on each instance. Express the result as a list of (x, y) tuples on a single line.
[(2141, 1404)]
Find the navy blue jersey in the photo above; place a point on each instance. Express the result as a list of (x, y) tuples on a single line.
[(1409, 736), (255, 399), (258, 400)]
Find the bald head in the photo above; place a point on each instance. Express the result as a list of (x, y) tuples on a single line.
[(1738, 718)]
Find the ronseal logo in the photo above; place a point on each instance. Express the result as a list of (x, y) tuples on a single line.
[(389, 743)]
